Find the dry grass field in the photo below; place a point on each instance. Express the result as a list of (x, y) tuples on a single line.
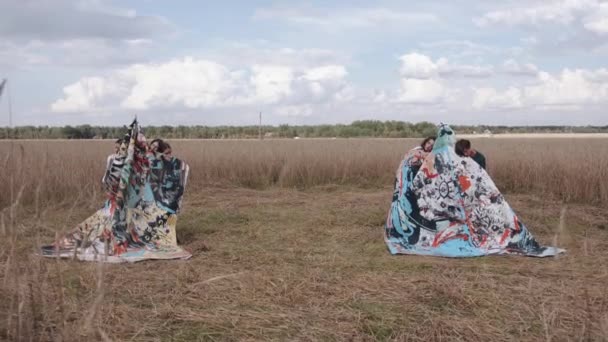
[(287, 244), (55, 171)]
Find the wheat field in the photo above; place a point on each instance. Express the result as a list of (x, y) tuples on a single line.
[(565, 169), (287, 244)]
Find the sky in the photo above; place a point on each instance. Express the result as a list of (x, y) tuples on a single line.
[(182, 62)]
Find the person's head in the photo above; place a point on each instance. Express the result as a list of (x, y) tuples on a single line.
[(427, 144), (164, 148), (117, 144), (463, 148), (154, 144), (160, 146)]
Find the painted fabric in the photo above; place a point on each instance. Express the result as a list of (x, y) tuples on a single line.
[(450, 207), (138, 220)]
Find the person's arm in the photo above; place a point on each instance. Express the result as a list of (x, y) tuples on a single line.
[(108, 166)]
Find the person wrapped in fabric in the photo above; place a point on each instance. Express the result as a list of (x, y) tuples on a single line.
[(110, 160), (416, 156), (167, 174), (463, 149)]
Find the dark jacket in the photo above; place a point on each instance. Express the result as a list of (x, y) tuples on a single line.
[(480, 159)]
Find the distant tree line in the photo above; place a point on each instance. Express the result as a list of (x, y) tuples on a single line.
[(366, 128)]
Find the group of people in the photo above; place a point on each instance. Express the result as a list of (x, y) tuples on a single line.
[(144, 185), (442, 206), (445, 204), (462, 148)]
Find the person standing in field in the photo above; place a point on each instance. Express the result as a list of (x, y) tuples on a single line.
[(463, 149), (110, 160), (165, 171)]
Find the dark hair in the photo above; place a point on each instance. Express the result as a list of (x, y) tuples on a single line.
[(163, 146), (118, 141), (461, 146), (155, 140), (427, 139)]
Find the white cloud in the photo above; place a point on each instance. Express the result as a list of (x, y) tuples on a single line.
[(421, 91), (87, 95), (294, 111), (234, 53), (570, 89), (380, 96), (463, 70), (416, 65), (23, 55), (134, 62), (84, 19), (197, 83), (597, 21), (461, 47), (514, 68), (424, 81), (327, 72), (185, 83), (562, 12), (290, 91), (490, 98), (271, 83), (342, 19), (323, 84), (557, 24), (420, 82), (99, 53), (597, 76), (77, 33)]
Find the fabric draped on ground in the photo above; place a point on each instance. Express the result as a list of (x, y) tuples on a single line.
[(138, 220), (447, 205)]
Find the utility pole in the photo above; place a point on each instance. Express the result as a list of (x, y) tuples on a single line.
[(10, 104), (3, 87), (260, 127)]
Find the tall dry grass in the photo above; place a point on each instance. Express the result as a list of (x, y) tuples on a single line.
[(289, 265), (572, 170), (301, 259)]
